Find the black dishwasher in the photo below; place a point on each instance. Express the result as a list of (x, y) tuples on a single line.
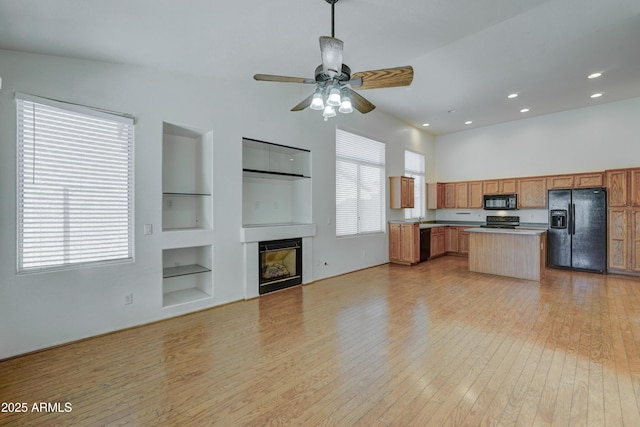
[(425, 243)]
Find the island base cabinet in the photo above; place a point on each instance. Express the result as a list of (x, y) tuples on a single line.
[(511, 255), (624, 240)]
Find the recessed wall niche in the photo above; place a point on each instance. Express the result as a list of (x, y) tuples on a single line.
[(187, 183), (276, 184)]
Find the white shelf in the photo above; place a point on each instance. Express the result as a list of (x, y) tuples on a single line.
[(183, 296)]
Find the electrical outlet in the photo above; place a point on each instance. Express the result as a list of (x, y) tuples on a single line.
[(128, 299), (169, 203), (148, 229)]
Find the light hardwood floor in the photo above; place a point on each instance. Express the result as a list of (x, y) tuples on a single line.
[(428, 345)]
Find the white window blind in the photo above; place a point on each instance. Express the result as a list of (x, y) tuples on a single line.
[(360, 189), (414, 168), (75, 185)]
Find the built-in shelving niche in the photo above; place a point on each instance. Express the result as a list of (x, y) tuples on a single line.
[(276, 184), (186, 275), (186, 178)]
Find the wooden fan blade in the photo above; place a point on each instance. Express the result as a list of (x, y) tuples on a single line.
[(303, 104), (282, 79), (359, 102), (388, 77)]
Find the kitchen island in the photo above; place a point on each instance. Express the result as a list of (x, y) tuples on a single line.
[(519, 253)]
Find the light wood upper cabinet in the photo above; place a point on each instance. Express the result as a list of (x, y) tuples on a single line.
[(475, 194), (508, 186), (401, 192), (449, 195), (617, 187), (562, 181), (635, 187), (462, 194), (587, 180), (500, 186), (533, 193), (490, 187)]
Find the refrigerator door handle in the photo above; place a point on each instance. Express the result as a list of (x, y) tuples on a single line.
[(573, 219), (569, 220)]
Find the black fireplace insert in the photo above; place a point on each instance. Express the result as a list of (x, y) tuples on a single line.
[(280, 264)]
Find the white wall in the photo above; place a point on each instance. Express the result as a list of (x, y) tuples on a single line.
[(42, 310), (589, 139)]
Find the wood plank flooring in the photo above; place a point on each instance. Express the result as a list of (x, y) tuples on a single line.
[(429, 345)]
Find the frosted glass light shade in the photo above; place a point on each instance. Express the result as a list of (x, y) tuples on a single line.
[(346, 106), (331, 50), (329, 111), (334, 97), (317, 103)]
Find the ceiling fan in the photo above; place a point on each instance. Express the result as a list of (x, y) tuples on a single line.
[(334, 82)]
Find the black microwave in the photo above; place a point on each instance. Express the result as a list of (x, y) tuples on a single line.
[(500, 202)]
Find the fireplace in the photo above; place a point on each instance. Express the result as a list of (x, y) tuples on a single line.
[(280, 264)]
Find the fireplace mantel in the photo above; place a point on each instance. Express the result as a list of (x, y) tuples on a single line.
[(261, 232)]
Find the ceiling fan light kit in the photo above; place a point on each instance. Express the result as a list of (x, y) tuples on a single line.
[(334, 83)]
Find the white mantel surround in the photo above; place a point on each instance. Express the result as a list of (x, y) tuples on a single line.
[(251, 235)]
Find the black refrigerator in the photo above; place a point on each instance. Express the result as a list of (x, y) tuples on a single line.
[(577, 235)]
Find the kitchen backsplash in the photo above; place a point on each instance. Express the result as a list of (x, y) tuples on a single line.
[(538, 216)]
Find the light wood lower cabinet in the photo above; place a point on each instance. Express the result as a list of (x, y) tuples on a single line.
[(451, 235), (624, 240), (404, 243), (438, 244)]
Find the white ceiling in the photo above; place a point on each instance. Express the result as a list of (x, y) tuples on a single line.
[(468, 55)]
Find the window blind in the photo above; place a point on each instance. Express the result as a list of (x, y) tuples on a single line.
[(75, 185), (360, 189), (414, 168)]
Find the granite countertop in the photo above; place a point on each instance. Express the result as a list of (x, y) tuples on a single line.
[(538, 228)]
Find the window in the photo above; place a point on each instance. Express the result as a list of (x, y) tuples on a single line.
[(360, 188), (75, 185), (414, 168)]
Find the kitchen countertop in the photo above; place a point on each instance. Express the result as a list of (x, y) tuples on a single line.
[(473, 224), (519, 230)]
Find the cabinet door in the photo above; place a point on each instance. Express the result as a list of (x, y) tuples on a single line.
[(635, 187), (394, 242), (406, 191), (451, 234), (463, 241), (617, 236), (432, 196), (408, 248), (449, 196), (617, 188), (564, 181), (490, 187), (533, 193), (462, 194), (442, 195), (635, 240), (587, 180), (475, 195), (508, 186)]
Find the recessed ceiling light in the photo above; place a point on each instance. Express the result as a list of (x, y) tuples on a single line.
[(524, 110), (425, 124), (468, 122), (453, 110), (596, 95), (512, 95), (594, 75)]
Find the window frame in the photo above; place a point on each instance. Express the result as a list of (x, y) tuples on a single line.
[(360, 163), (34, 137)]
